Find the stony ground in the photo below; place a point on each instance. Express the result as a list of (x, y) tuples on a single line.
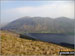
[(11, 44)]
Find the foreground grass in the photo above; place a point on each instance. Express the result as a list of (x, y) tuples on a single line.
[(11, 44)]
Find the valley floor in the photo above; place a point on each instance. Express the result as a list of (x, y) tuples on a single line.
[(11, 44)]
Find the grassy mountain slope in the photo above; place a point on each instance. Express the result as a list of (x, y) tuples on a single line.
[(12, 44)]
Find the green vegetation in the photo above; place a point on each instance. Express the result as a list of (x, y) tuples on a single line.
[(13, 45)]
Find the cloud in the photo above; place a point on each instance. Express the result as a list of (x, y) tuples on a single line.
[(53, 10)]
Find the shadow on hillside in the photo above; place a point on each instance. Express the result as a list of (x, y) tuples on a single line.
[(26, 37), (61, 44)]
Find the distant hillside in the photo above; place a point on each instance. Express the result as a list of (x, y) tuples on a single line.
[(2, 25), (12, 44), (42, 25)]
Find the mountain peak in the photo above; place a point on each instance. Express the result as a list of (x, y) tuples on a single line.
[(42, 24)]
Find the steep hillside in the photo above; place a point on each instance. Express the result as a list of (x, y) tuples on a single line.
[(42, 25), (12, 44)]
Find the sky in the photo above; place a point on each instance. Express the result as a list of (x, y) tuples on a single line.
[(12, 10)]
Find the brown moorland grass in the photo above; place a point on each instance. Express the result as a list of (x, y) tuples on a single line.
[(11, 44)]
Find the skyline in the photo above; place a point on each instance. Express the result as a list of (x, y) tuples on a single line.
[(12, 10)]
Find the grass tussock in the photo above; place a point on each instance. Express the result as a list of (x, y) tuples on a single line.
[(11, 44)]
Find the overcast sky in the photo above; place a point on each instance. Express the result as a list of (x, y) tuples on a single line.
[(11, 10)]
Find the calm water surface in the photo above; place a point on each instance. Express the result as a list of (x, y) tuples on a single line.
[(55, 38)]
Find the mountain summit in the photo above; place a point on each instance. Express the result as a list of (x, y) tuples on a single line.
[(41, 25)]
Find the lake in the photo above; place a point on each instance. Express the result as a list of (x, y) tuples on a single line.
[(55, 38)]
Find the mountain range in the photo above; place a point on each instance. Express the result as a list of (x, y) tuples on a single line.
[(41, 25)]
